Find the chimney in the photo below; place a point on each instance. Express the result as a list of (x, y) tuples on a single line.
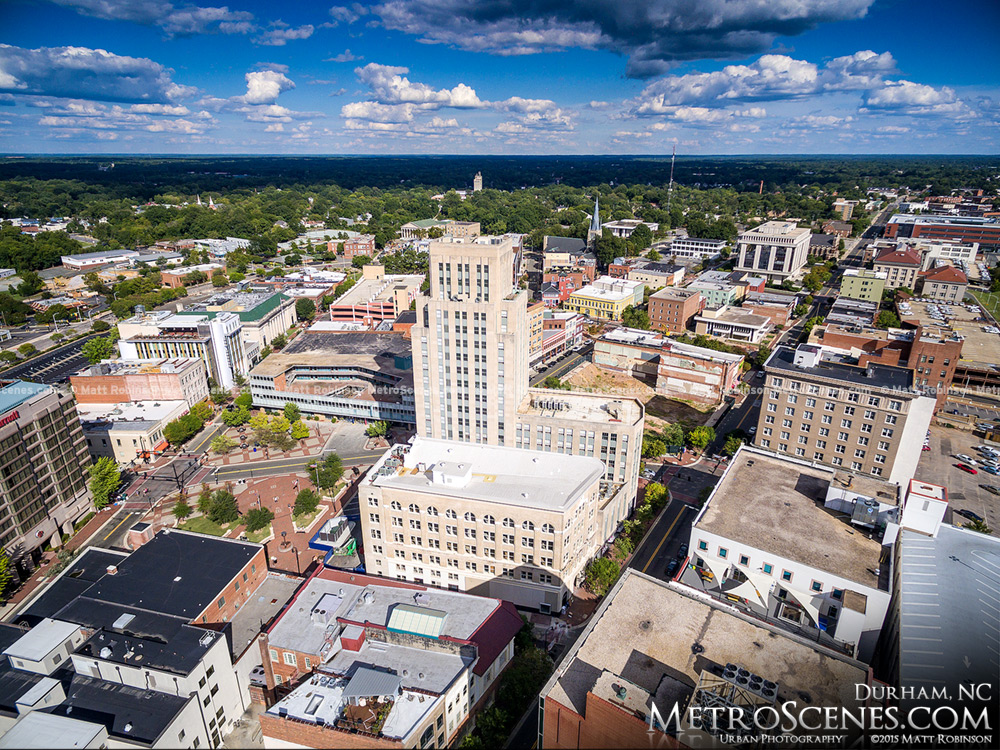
[(112, 570)]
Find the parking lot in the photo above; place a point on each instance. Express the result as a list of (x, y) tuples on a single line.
[(964, 491)]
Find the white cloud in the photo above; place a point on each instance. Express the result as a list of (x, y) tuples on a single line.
[(84, 73), (159, 109), (264, 86), (343, 57), (389, 86), (348, 15), (187, 21), (378, 112), (275, 127), (281, 33), (914, 98)]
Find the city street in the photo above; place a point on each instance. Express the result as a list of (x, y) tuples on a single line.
[(563, 365), (670, 530)]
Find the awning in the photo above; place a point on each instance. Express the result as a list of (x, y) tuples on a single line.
[(718, 567), (748, 591), (807, 601), (761, 582), (161, 446)]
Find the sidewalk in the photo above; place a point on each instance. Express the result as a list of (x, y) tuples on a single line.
[(319, 436), (40, 577)]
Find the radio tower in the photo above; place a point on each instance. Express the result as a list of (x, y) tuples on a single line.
[(670, 188)]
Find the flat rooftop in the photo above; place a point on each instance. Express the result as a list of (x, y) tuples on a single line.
[(378, 290), (506, 476), (420, 668), (597, 408), (130, 412), (608, 289), (342, 597), (373, 351), (86, 569), (159, 366), (776, 505), (171, 573), (634, 337), (672, 292), (38, 729), (36, 644), (258, 611), (835, 368), (787, 229), (978, 346), (17, 392), (948, 601), (646, 632)]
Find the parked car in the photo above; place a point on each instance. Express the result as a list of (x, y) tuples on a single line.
[(926, 447), (966, 458), (985, 426), (672, 567), (994, 470), (682, 551), (991, 488), (988, 451), (966, 468), (969, 514), (753, 430)]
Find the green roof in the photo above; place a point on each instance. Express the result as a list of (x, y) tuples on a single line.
[(247, 316), (428, 223)]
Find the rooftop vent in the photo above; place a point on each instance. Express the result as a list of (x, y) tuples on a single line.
[(112, 570)]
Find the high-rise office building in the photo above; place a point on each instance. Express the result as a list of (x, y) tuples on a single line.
[(42, 479), (471, 340), (470, 362)]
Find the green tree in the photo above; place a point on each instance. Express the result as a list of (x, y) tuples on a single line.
[(800, 310), (202, 411), (98, 349), (635, 317), (305, 502), (299, 430), (601, 574), (182, 429), (222, 444), (700, 437), (27, 350), (205, 499), (6, 574), (359, 261), (181, 509), (292, 411), (732, 444), (555, 383), (8, 356), (244, 399), (656, 495), (280, 341), (980, 526), (224, 508), (887, 319), (235, 417), (377, 429), (305, 308), (105, 476), (328, 472), (31, 283), (673, 434), (219, 279), (293, 260), (763, 352), (99, 326), (652, 447), (236, 277), (642, 237), (257, 518)]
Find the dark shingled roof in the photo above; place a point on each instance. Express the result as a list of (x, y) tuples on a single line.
[(493, 635)]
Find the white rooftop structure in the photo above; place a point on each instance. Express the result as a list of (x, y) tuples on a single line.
[(39, 729), (38, 642), (509, 476), (609, 289), (134, 411), (336, 326)]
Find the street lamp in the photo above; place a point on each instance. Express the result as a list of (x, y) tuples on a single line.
[(55, 321)]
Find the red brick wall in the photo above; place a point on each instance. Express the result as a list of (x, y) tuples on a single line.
[(238, 591), (310, 735), (660, 310), (604, 726), (117, 389)]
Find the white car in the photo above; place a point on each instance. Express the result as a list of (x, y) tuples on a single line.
[(753, 430), (964, 458)]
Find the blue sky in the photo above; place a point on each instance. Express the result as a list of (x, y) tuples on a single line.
[(500, 76)]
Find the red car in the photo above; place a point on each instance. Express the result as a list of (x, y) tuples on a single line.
[(965, 467)]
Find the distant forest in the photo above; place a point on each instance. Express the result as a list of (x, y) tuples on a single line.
[(142, 178)]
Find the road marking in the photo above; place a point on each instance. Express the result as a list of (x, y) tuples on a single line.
[(119, 524), (656, 551), (214, 429)]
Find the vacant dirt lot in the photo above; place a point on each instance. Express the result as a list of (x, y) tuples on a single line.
[(659, 410)]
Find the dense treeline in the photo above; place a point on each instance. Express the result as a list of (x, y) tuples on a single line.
[(267, 199)]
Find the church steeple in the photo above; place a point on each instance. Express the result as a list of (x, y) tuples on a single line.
[(595, 223)]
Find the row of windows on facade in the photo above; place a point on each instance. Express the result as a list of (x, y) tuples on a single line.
[(832, 392), (827, 419), (836, 460), (525, 575), (488, 536), (416, 541), (767, 569), (488, 520)]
